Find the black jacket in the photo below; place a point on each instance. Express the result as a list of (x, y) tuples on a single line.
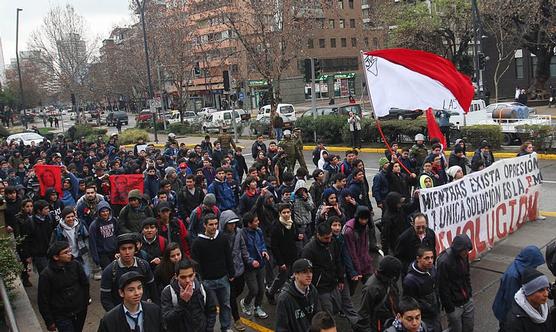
[(187, 202), (454, 278), (295, 310), (518, 321), (40, 231), (454, 160), (408, 243), (378, 303), (284, 249), (115, 321), (421, 285), (395, 220), (63, 291), (328, 269), (181, 316)]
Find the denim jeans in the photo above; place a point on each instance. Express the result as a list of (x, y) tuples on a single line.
[(218, 293), (278, 134), (255, 284), (461, 319)]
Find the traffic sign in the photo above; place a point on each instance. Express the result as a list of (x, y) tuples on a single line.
[(241, 96), (156, 102)]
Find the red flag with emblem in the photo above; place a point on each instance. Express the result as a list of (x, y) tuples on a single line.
[(49, 176), (121, 185)]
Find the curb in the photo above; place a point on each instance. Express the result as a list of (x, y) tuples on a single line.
[(501, 155)]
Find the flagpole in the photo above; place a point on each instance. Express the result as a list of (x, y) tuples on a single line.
[(378, 126)]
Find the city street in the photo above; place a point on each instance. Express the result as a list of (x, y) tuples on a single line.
[(485, 273)]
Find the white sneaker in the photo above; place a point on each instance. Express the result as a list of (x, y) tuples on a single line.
[(247, 309), (97, 275), (541, 217), (259, 313)]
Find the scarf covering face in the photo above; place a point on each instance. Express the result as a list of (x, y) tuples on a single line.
[(287, 223), (536, 316)]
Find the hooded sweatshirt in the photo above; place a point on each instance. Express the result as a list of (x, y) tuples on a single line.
[(358, 242), (236, 241), (75, 235), (529, 257), (103, 234), (295, 309), (302, 209), (454, 278)]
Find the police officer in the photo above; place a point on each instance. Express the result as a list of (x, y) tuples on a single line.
[(171, 140), (226, 141), (288, 145), (126, 262), (298, 140)]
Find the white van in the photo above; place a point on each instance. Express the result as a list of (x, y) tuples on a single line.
[(458, 118), (281, 109), (220, 120)]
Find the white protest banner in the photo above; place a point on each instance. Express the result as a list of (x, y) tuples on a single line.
[(486, 205)]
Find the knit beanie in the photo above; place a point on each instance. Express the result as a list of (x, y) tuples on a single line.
[(56, 247), (533, 281), (383, 161), (209, 200)]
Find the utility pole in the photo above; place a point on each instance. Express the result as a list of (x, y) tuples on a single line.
[(21, 99), (313, 97), (160, 88), (477, 35), (142, 12)]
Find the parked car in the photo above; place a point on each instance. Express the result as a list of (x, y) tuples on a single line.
[(144, 115), (285, 110), (396, 113), (220, 120), (113, 117), (244, 114), (188, 117), (206, 111), (26, 138), (262, 125), (320, 111)]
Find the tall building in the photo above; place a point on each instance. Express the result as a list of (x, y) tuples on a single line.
[(341, 32)]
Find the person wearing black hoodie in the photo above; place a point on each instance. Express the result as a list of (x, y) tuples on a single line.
[(454, 284), (41, 227), (63, 291), (380, 296), (395, 219), (299, 300), (55, 204)]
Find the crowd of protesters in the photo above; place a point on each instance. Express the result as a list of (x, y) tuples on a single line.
[(207, 231)]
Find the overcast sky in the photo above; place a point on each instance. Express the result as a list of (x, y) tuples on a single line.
[(100, 16)]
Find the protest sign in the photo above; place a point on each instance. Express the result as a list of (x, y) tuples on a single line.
[(49, 176), (121, 185), (486, 205)]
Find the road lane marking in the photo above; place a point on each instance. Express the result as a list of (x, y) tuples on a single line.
[(254, 325), (548, 213)]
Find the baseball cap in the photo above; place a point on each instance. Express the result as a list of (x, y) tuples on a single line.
[(127, 238), (302, 265)]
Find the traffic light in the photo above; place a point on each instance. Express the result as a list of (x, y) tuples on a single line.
[(482, 61), (317, 68), (226, 75), (307, 69)]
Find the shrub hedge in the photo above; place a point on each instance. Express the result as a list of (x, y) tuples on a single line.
[(475, 134), (131, 136), (183, 128), (89, 133), (541, 136)]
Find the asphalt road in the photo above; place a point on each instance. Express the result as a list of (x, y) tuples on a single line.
[(485, 273)]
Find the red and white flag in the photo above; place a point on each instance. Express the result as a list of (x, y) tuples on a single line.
[(411, 80)]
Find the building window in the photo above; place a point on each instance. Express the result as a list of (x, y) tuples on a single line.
[(350, 4), (341, 4), (352, 23), (375, 43), (331, 24), (333, 42), (322, 43), (519, 68), (353, 42), (343, 41), (310, 43), (553, 67), (321, 22), (533, 65), (366, 40), (342, 23)]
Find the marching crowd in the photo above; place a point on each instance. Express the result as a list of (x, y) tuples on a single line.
[(207, 231)]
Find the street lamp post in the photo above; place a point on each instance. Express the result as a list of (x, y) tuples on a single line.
[(477, 36), (141, 7), (21, 100)]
